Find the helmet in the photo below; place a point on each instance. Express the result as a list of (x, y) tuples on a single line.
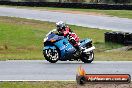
[(60, 25)]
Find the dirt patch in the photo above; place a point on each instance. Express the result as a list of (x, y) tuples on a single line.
[(105, 86), (126, 48), (4, 47), (20, 21), (78, 12), (27, 48), (31, 48), (39, 25)]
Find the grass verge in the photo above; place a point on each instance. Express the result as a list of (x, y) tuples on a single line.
[(22, 39), (38, 85), (118, 13), (60, 85)]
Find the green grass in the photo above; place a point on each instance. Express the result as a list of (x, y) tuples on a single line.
[(118, 13), (61, 84), (37, 84), (22, 39), (115, 55)]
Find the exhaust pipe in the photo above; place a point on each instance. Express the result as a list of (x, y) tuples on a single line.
[(89, 49)]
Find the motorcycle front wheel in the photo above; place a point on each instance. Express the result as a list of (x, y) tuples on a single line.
[(51, 55), (87, 58)]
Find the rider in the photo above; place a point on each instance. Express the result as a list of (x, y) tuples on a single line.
[(65, 31)]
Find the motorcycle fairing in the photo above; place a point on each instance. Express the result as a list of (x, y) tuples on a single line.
[(55, 37), (49, 47), (66, 49), (84, 42)]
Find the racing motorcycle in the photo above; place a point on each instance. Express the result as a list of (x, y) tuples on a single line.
[(59, 48)]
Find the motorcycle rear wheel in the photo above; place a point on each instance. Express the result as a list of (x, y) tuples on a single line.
[(51, 55), (87, 58)]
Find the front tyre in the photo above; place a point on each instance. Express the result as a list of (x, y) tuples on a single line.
[(87, 57), (51, 55)]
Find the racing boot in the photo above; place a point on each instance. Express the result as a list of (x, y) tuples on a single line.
[(79, 49)]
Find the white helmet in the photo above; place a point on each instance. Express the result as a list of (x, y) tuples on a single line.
[(60, 25)]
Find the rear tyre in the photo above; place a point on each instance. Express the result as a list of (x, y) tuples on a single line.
[(87, 58), (51, 55)]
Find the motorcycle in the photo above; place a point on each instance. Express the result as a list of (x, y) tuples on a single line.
[(59, 48)]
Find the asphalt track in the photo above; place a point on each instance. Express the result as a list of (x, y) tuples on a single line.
[(101, 22), (41, 70)]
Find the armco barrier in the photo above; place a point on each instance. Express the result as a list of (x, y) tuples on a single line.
[(107, 37), (113, 37), (69, 5), (128, 38), (118, 37)]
